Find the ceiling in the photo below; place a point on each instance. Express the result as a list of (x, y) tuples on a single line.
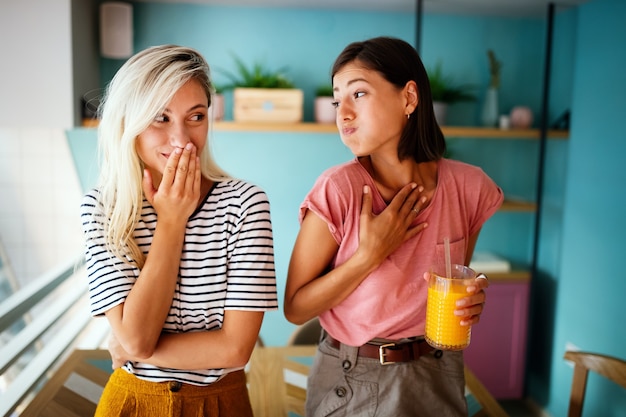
[(483, 7)]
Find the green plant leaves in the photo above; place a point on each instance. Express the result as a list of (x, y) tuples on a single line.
[(256, 76), (444, 89)]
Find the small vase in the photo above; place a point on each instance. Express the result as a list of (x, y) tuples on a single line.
[(217, 107), (521, 117), (490, 108), (324, 110), (441, 110)]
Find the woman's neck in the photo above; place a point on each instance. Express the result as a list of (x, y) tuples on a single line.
[(391, 176)]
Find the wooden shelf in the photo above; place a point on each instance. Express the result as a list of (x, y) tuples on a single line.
[(448, 131), (515, 275), (516, 205), (310, 127), (494, 133), (304, 127)]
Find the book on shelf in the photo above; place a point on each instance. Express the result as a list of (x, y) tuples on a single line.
[(489, 262)]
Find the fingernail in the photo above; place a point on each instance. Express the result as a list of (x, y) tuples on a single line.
[(178, 150), (188, 146), (420, 188)]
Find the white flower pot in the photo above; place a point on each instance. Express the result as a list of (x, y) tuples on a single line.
[(441, 110), (324, 110), (217, 107)]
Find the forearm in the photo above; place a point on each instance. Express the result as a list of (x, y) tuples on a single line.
[(228, 347), (149, 301), (199, 350)]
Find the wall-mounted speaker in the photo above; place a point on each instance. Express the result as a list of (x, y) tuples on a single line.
[(116, 30)]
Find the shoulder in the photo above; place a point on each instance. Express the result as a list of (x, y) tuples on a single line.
[(91, 201), (471, 180), (343, 175), (236, 192), (341, 170), (456, 167), (92, 195), (462, 171), (238, 187)]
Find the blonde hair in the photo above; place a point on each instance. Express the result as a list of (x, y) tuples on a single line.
[(138, 92)]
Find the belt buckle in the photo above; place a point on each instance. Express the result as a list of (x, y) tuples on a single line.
[(382, 355)]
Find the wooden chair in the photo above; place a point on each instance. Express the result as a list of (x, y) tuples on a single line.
[(609, 367), (307, 334), (75, 388), (277, 379)]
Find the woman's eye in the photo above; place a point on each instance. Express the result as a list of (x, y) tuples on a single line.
[(161, 119), (335, 104), (359, 94), (198, 117)]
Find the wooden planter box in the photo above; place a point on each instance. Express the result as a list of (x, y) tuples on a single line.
[(268, 104)]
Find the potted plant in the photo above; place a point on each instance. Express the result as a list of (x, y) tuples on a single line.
[(446, 92), (323, 106), (263, 95)]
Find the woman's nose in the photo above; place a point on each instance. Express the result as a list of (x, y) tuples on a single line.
[(178, 135), (345, 112)]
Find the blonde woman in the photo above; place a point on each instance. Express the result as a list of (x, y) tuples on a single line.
[(179, 255)]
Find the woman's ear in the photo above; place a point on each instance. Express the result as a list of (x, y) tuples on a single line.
[(412, 96)]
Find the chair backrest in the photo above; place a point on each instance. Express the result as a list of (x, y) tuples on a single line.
[(307, 334), (609, 367)]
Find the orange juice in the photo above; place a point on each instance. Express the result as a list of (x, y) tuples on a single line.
[(443, 328)]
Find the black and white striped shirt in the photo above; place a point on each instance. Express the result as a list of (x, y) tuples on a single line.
[(227, 263)]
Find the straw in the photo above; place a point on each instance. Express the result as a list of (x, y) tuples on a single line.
[(446, 244)]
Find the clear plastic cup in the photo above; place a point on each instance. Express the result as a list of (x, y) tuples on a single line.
[(443, 328)]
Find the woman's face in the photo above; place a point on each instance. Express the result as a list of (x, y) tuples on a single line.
[(184, 120), (371, 112)]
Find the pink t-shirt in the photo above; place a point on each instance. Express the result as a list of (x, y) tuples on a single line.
[(391, 302)]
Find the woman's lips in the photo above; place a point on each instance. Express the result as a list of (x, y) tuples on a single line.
[(348, 130)]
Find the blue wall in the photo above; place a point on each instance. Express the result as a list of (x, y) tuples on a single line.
[(266, 35), (590, 291), (583, 202)]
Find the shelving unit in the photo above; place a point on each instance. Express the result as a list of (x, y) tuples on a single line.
[(448, 131)]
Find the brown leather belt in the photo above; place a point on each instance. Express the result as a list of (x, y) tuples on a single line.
[(388, 353)]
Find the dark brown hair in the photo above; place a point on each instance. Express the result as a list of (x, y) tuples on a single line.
[(398, 62)]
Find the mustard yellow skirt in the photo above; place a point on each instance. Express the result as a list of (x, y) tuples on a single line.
[(128, 396)]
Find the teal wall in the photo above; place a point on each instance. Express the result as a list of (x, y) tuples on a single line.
[(579, 172), (589, 305), (306, 42)]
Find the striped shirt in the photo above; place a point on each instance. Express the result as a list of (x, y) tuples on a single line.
[(227, 263)]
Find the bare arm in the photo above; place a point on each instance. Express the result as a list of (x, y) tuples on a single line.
[(138, 322), (311, 288), (228, 347)]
